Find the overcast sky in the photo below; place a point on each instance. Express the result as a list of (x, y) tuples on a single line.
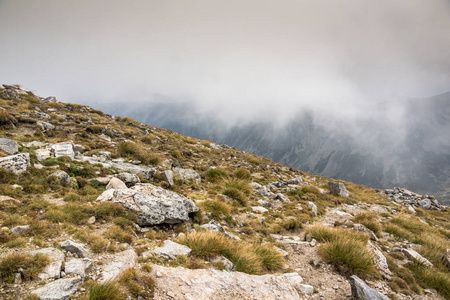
[(236, 58)]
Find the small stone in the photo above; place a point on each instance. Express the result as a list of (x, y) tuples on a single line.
[(167, 176), (116, 183), (91, 220), (9, 146), (313, 207), (20, 229), (259, 209), (172, 250)]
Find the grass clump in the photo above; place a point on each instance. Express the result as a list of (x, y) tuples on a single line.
[(105, 291), (96, 129), (237, 190), (242, 174), (429, 277), (369, 220), (137, 284), (345, 249), (215, 175), (216, 207), (31, 264), (136, 151), (248, 258)]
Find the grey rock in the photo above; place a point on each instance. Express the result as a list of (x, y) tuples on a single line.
[(52, 270), (185, 174), (105, 154), (77, 266), (9, 146), (17, 164), (305, 288), (50, 99), (259, 209), (119, 263), (60, 289), (34, 144), (295, 180), (62, 176), (76, 248), (167, 176), (172, 250), (338, 188), (78, 148), (154, 205), (361, 291), (45, 126), (425, 203), (42, 154), (116, 183), (313, 207), (129, 179), (362, 228), (282, 198), (416, 256), (9, 94), (283, 253), (146, 172), (20, 229), (63, 149), (212, 226), (91, 220), (380, 261)]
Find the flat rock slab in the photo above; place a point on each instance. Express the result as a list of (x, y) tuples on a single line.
[(76, 248), (182, 283), (154, 205), (185, 174), (9, 146), (52, 270), (172, 250), (120, 262), (60, 289), (77, 266), (411, 254), (17, 164), (63, 149)]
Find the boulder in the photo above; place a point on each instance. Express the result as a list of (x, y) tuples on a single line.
[(9, 146), (52, 270), (425, 203), (119, 263), (129, 179), (411, 254), (77, 266), (76, 248), (167, 176), (9, 94), (17, 164), (153, 205), (62, 176), (215, 284), (60, 289), (20, 229), (380, 261), (146, 172), (45, 126), (338, 188), (105, 154), (172, 250), (34, 144), (361, 291), (259, 209), (282, 198), (185, 174), (63, 149), (116, 183), (43, 154), (295, 180)]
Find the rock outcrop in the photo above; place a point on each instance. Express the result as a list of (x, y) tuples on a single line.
[(120, 262), (338, 188), (172, 250), (52, 270), (17, 164), (361, 291), (60, 289), (9, 146), (154, 205), (407, 197)]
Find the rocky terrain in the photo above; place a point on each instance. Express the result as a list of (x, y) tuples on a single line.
[(94, 206)]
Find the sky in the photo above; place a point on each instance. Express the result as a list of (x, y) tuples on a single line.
[(237, 59)]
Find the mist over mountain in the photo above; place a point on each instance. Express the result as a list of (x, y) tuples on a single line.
[(406, 146)]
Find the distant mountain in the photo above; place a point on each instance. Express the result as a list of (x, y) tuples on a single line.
[(378, 155)]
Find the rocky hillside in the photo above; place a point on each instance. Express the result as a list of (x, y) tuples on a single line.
[(100, 207), (414, 153)]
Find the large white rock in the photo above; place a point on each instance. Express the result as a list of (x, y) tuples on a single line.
[(120, 262), (214, 284), (52, 270), (42, 154), (414, 255), (77, 266), (9, 146), (60, 289), (153, 204), (185, 174), (172, 250), (17, 164), (128, 178), (116, 183), (380, 261), (338, 188), (76, 248), (63, 149), (146, 172)]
